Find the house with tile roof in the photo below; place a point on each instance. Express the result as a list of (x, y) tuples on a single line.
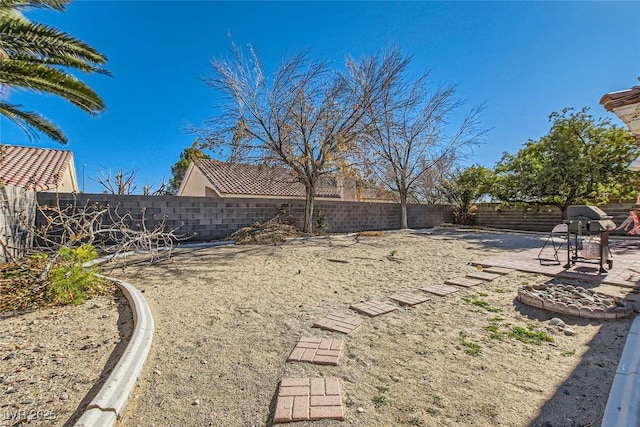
[(626, 105), (38, 169), (213, 178)]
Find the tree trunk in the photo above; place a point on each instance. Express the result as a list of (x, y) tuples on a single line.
[(308, 208), (403, 211), (563, 210)]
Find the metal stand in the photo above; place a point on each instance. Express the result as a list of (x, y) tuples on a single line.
[(572, 250)]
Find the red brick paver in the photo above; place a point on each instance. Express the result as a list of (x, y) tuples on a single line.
[(373, 308), (301, 399), (408, 298), (465, 282), (440, 289), (322, 351), (339, 322), (498, 270), (482, 275)]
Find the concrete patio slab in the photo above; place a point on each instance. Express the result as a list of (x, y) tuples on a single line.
[(305, 399), (318, 350)]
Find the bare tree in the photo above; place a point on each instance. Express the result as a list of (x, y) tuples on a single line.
[(307, 118), (120, 183), (431, 187), (110, 229), (123, 183), (409, 135)]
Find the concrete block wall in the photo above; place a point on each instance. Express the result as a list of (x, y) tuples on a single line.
[(214, 219), (16, 205), (544, 219)]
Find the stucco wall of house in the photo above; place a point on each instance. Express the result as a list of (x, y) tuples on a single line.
[(215, 218), (194, 183)]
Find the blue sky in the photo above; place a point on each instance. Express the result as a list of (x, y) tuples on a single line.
[(524, 59)]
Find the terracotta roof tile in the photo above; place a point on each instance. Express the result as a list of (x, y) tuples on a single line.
[(33, 168), (259, 180), (620, 99)]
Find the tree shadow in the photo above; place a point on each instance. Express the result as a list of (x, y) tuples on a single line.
[(487, 239), (125, 329), (580, 399)]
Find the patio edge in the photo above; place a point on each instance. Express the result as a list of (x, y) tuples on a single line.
[(110, 401), (623, 404)]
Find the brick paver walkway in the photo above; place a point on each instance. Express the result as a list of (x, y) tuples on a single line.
[(465, 282), (373, 308), (408, 298), (301, 399), (322, 351), (498, 270), (440, 290), (339, 322), (483, 275)]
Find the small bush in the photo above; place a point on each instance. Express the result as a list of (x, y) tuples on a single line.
[(70, 282), (322, 225)]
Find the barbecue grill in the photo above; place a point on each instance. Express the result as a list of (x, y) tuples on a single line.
[(589, 227)]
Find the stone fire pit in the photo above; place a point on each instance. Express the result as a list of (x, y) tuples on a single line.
[(575, 301)]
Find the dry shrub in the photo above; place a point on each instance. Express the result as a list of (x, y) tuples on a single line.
[(274, 230)]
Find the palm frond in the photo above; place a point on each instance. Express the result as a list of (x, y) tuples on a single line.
[(21, 37), (32, 123), (46, 79), (34, 4)]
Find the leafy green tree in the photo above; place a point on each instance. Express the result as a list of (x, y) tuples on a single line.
[(466, 189), (36, 57), (180, 167), (580, 161)]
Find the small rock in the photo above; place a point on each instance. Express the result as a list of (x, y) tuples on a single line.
[(157, 372), (569, 332), (360, 409), (204, 362), (27, 402), (104, 316), (196, 402), (10, 390), (567, 392), (10, 356), (557, 322), (64, 396)]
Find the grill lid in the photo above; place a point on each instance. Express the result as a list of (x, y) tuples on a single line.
[(586, 212)]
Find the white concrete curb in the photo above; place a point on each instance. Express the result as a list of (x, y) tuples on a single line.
[(109, 402), (623, 405)]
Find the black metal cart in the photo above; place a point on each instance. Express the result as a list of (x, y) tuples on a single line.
[(589, 228)]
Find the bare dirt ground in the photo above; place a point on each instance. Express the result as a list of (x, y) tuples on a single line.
[(227, 319), (52, 360)]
